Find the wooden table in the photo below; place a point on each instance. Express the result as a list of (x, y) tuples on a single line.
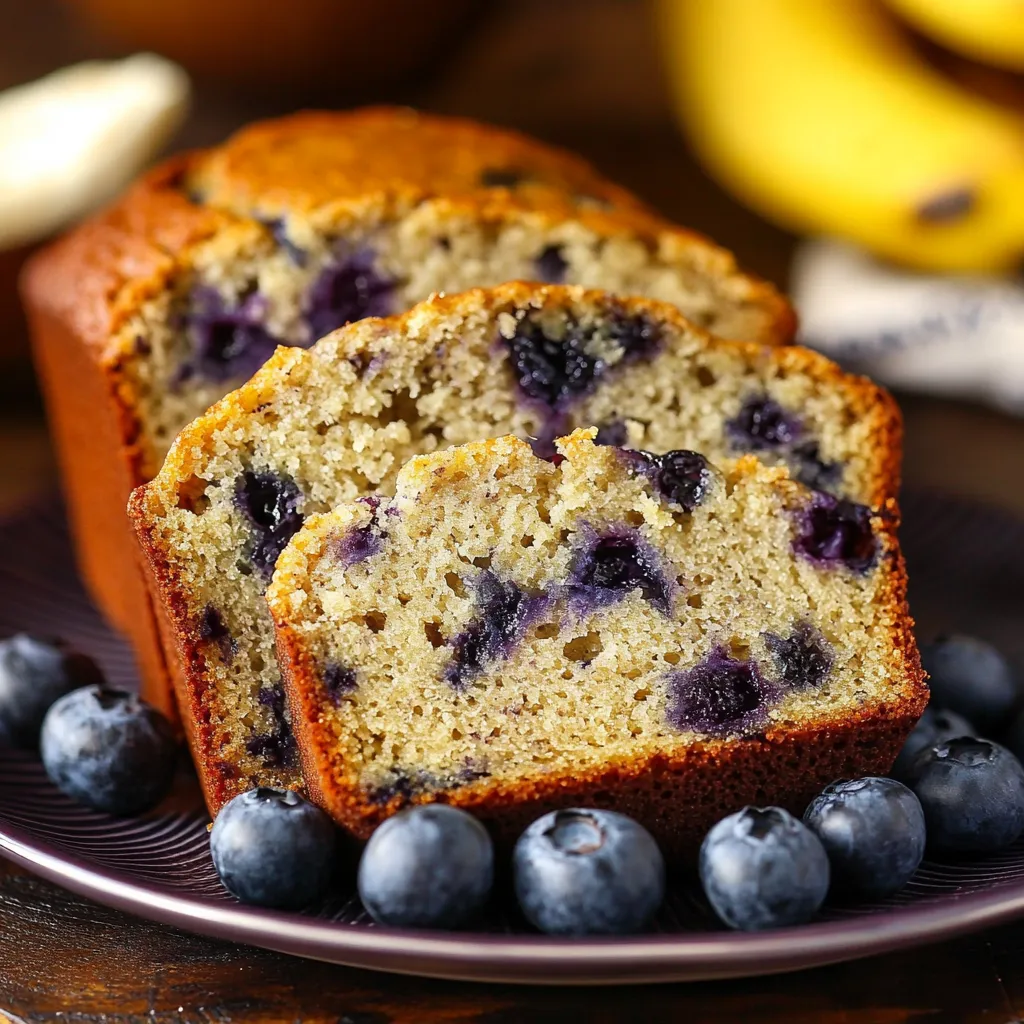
[(583, 73)]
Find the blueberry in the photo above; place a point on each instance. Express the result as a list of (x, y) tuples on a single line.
[(338, 680), (972, 793), (613, 433), (588, 872), (804, 658), (214, 630), (271, 504), (503, 612), (972, 678), (1013, 738), (34, 672), (613, 566), (272, 848), (720, 696), (812, 470), (763, 424), (552, 265), (932, 727), (763, 869), (228, 342), (109, 750), (873, 832), (680, 477), (347, 290), (427, 867), (276, 746), (832, 532), (551, 370)]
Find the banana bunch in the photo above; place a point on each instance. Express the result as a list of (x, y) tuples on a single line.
[(819, 114)]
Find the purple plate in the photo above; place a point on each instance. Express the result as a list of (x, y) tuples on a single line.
[(967, 567)]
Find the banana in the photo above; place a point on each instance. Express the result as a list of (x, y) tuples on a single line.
[(991, 31), (818, 115)]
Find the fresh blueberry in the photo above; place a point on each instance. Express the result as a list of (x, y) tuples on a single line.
[(272, 848), (588, 872), (430, 866), (34, 672), (347, 290), (873, 832), (763, 869), (832, 532), (109, 750), (972, 793), (972, 678), (721, 695), (932, 727)]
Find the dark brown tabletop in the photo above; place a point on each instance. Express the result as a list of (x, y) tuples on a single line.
[(582, 73)]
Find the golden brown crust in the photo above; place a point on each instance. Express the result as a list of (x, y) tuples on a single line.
[(80, 292)]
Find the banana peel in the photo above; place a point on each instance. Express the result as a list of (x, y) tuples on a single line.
[(991, 31), (821, 117)]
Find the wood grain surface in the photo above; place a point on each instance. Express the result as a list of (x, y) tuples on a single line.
[(583, 73)]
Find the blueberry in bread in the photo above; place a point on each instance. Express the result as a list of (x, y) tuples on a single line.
[(525, 635), (149, 312), (336, 422)]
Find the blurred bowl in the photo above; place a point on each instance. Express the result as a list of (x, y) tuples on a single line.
[(269, 46)]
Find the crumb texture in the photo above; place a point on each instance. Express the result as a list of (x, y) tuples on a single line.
[(337, 422), (515, 620)]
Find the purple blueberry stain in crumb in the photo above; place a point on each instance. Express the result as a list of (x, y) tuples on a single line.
[(339, 681), (408, 783), (213, 629), (504, 611), (276, 747), (361, 542), (763, 425), (814, 471), (270, 503), (804, 658), (279, 229), (557, 371), (613, 434), (609, 567), (637, 336), (833, 532), (720, 696), (551, 265), (347, 289), (228, 342)]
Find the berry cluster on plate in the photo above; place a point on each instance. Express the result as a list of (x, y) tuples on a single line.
[(578, 871)]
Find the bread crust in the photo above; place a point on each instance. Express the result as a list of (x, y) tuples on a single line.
[(81, 292)]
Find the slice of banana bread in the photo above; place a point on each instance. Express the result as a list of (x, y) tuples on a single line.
[(511, 636), (315, 427), (146, 314)]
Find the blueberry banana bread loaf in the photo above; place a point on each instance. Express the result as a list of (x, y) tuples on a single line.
[(323, 425), (154, 309), (648, 634)]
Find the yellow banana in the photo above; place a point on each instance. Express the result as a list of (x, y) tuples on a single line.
[(987, 30), (817, 114)]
